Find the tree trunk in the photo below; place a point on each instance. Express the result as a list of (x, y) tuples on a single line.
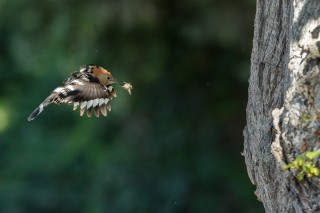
[(284, 87)]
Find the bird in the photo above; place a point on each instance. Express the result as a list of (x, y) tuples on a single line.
[(90, 89)]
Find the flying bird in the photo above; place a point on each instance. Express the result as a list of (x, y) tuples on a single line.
[(90, 89)]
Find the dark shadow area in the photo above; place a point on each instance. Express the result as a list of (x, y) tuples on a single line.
[(174, 145)]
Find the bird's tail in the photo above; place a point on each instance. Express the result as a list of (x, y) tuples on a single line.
[(40, 108)]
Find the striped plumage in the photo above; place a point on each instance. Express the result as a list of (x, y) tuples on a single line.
[(90, 89)]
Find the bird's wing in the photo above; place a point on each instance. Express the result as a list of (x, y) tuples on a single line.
[(84, 90)]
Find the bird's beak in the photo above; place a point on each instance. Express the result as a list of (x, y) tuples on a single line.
[(116, 81)]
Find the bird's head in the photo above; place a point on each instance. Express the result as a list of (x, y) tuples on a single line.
[(102, 74)]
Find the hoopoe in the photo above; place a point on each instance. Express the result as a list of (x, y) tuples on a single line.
[(89, 88)]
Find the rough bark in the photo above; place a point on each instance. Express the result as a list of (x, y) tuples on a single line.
[(284, 86)]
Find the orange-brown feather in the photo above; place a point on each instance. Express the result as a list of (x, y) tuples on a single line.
[(100, 71), (102, 74)]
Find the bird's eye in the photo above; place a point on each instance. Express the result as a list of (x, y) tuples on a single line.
[(108, 78)]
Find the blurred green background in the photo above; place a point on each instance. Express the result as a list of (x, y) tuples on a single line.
[(174, 145)]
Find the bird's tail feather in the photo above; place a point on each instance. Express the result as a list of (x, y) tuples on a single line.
[(35, 113), (40, 108)]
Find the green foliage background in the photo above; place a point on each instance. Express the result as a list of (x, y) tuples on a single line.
[(172, 146)]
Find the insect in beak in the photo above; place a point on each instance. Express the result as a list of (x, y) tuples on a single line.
[(127, 86)]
